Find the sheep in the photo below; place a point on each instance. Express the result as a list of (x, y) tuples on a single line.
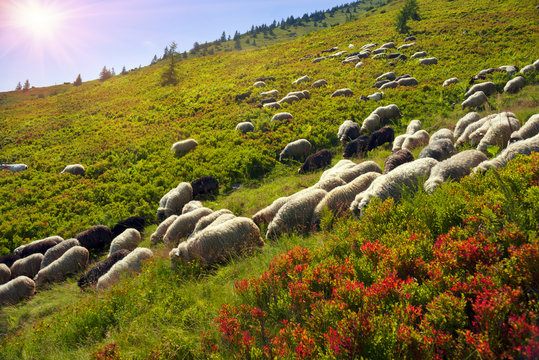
[(389, 85), (296, 214), (393, 183), (129, 239), (28, 266), (297, 150), (349, 174), (536, 64), (410, 81), (265, 78), (380, 137), (419, 138), (191, 205), (450, 81), (488, 88), (183, 147), (304, 78), (342, 92), (359, 64), (356, 146), (406, 46), (515, 85), (380, 83), (246, 126), (337, 54), (316, 161), (271, 93), (339, 199), (288, 99), (463, 123), (267, 214), (527, 69), (14, 167), (281, 116), (16, 290), (318, 59), (131, 263), (528, 130), (205, 185), (5, 274), (378, 51), (493, 120), (57, 251), (523, 147), (379, 56), (273, 105), (454, 168), (476, 100), (319, 83), (409, 38), (218, 243), (349, 130), (173, 202), (470, 129), (96, 237), (340, 166), (100, 269), (71, 262), (368, 46), (183, 226), (242, 96), (499, 132), (9, 259), (38, 246), (74, 169), (210, 220), (133, 222), (377, 96), (413, 127), (161, 230), (395, 56), (442, 134), (389, 45), (259, 84), (350, 59), (388, 112), (388, 75), (397, 143), (428, 61), (303, 94), (327, 184), (396, 159), (440, 149), (418, 55), (510, 69)]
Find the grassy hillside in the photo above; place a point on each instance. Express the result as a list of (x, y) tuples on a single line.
[(121, 131)]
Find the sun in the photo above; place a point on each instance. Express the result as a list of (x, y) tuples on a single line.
[(39, 19)]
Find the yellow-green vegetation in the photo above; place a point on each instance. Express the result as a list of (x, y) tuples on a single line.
[(121, 130)]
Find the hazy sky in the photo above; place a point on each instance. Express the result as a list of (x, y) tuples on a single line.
[(51, 41)]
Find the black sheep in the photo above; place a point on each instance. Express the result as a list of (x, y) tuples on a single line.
[(243, 96), (96, 237), (100, 269), (265, 78), (316, 161), (268, 100), (9, 259), (398, 158), (134, 222), (356, 146), (380, 137), (40, 247), (204, 185)]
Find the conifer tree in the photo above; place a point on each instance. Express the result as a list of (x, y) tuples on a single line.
[(170, 76), (105, 74), (18, 87), (123, 71), (78, 81), (154, 60), (26, 85)]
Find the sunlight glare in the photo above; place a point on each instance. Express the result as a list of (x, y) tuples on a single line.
[(40, 20)]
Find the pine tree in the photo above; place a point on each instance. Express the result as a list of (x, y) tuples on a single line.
[(154, 60), (112, 72), (18, 87), (223, 37), (105, 74), (237, 44), (78, 81), (410, 10), (26, 85), (170, 76), (123, 71), (165, 53)]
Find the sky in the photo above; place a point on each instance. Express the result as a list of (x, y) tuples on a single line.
[(50, 42)]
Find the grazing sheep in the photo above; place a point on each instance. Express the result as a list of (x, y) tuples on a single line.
[(419, 138), (397, 143), (380, 137), (450, 81), (16, 290), (359, 64), (389, 45), (493, 121), (339, 199), (528, 130), (304, 94), (536, 64), (273, 105), (319, 83), (368, 46), (380, 83), (527, 69), (488, 88), (356, 147), (319, 59), (173, 202), (131, 263), (350, 59), (395, 56), (410, 81), (418, 55), (523, 147), (499, 132), (440, 149), (388, 75), (271, 93), (74, 169), (454, 168), (57, 251), (377, 96), (183, 226), (342, 92), (470, 129), (337, 54), (406, 46), (510, 69), (259, 84), (379, 51), (129, 240), (183, 147), (316, 161), (326, 184), (351, 173), (205, 185), (389, 85), (413, 127), (96, 237), (191, 205), (161, 230), (396, 159), (428, 61), (336, 169), (349, 130), (409, 38), (71, 262), (463, 123), (9, 259), (14, 167), (297, 150), (476, 100), (392, 184), (28, 266), (246, 126), (296, 214), (242, 96), (267, 214), (281, 116), (210, 219), (288, 99), (442, 134), (370, 124), (38, 246), (100, 269), (218, 243), (5, 274), (133, 222), (515, 85), (388, 112), (379, 56), (304, 78)]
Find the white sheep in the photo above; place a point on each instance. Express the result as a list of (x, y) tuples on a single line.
[(267, 214), (74, 169), (515, 85), (300, 94), (5, 274), (215, 218), (389, 85), (528, 130), (510, 69), (161, 230), (389, 45), (487, 87), (359, 64), (470, 129), (349, 130), (536, 64), (377, 96), (527, 69), (28, 266), (522, 147), (288, 99), (387, 112), (128, 239), (450, 81), (272, 105), (259, 84), (406, 46), (408, 81), (428, 61), (297, 150), (388, 75), (281, 116), (16, 290), (493, 120), (296, 214), (476, 100), (183, 147), (14, 167), (218, 243), (440, 149), (245, 126), (183, 226), (337, 168), (463, 123), (131, 263), (454, 168), (442, 134), (342, 92), (19, 250), (339, 199), (351, 173), (326, 184), (398, 141), (499, 132), (319, 83), (191, 205), (370, 124), (173, 202), (57, 251), (413, 127), (418, 54), (369, 45), (72, 261), (271, 93), (419, 138), (304, 78)]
